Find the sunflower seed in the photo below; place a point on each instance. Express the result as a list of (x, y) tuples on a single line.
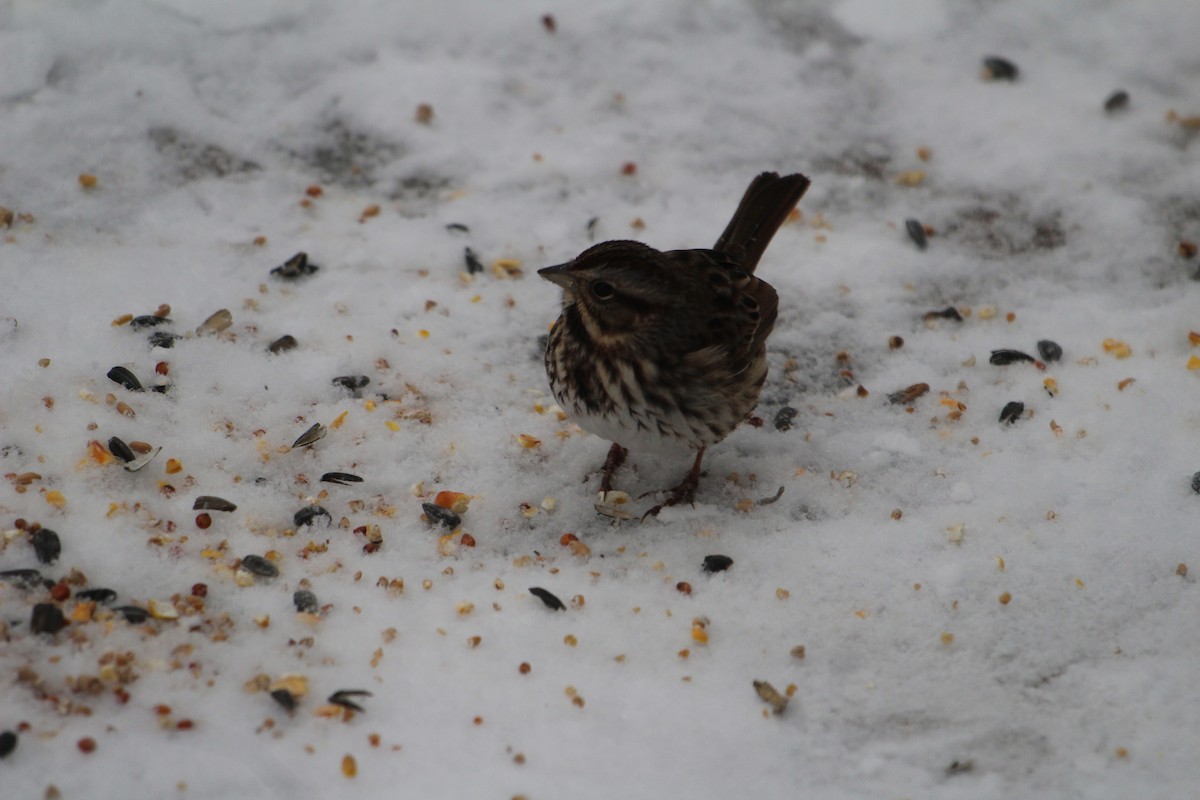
[(146, 321), (342, 478), (1049, 351), (164, 339), (342, 697), (47, 618), (259, 566), (313, 434), (1012, 412), (1003, 358), (306, 515), (133, 614), (96, 595), (716, 563), (284, 698), (950, 313), (996, 68), (295, 267), (8, 743), (121, 450), (216, 322), (125, 378), (552, 602), (1117, 101), (283, 344), (1195, 488), (441, 516), (305, 602), (47, 545), (207, 502), (474, 266), (27, 578), (916, 232), (351, 382), (784, 417)]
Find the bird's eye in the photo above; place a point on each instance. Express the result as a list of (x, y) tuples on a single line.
[(603, 290)]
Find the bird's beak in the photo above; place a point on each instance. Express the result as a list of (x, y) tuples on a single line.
[(559, 274)]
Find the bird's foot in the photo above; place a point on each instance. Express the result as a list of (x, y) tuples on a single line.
[(685, 492)]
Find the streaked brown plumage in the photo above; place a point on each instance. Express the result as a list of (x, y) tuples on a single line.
[(666, 351)]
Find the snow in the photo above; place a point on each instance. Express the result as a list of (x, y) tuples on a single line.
[(897, 534)]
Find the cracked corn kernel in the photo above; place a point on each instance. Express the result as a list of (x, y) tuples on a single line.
[(528, 442), (1117, 348), (56, 498), (1005, 599), (174, 466), (947, 638), (1193, 362), (349, 766), (569, 640)]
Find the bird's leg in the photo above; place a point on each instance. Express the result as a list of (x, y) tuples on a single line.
[(685, 492), (616, 457)]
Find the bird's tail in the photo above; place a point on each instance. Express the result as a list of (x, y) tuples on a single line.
[(765, 205)]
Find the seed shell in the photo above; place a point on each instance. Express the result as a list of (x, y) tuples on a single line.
[(47, 618), (140, 465), (313, 434), (716, 563), (47, 545), (1012, 412), (342, 478), (344, 698), (217, 321), (771, 696), (260, 566), (908, 394), (126, 378), (916, 232), (207, 502), (295, 267), (1195, 483), (552, 602)]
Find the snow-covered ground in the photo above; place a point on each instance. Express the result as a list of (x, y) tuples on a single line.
[(986, 610)]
